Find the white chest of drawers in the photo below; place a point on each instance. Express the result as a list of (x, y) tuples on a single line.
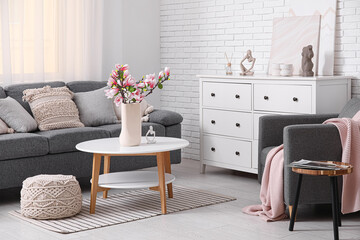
[(230, 108)]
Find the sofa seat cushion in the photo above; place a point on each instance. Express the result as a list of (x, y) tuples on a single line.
[(114, 129), (21, 145), (65, 140)]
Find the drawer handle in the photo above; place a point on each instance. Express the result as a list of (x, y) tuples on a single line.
[(212, 94), (213, 121), (266, 97), (213, 149), (237, 153), (237, 124), (237, 96), (295, 99)]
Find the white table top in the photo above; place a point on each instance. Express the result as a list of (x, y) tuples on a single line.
[(112, 146)]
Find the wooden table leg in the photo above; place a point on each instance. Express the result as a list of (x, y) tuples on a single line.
[(161, 157), (168, 170), (106, 170), (94, 181)]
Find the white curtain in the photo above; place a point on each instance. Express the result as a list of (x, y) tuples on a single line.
[(50, 40)]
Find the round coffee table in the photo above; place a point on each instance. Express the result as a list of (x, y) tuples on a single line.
[(108, 147)]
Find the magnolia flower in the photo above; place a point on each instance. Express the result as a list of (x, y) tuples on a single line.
[(141, 85), (114, 74), (111, 82), (126, 73), (118, 100), (110, 93), (117, 66), (129, 81), (124, 67), (167, 71), (150, 82), (161, 75)]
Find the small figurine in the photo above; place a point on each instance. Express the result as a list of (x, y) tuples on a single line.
[(150, 133), (228, 65), (250, 59), (306, 63)]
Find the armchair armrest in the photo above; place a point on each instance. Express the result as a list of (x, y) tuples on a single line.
[(165, 117), (271, 127), (312, 142)]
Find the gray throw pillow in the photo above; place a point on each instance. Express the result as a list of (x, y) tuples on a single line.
[(15, 116), (94, 108)]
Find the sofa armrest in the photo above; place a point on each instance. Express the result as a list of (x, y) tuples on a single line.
[(271, 127), (165, 117), (311, 142)]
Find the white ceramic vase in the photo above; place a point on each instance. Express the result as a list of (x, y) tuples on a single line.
[(130, 134)]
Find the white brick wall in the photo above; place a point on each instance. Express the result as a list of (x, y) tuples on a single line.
[(196, 33)]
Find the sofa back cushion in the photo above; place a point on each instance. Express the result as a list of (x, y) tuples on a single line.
[(2, 93), (350, 109), (16, 91), (53, 108), (85, 86)]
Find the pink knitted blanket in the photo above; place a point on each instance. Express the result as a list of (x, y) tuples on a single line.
[(272, 206)]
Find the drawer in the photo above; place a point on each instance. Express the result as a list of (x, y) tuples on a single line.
[(236, 124), (229, 151), (227, 95), (283, 98)]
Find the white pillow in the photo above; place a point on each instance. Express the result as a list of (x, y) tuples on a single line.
[(145, 109)]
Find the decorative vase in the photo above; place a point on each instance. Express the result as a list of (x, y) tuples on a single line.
[(130, 134)]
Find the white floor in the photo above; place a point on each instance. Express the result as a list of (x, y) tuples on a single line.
[(222, 221)]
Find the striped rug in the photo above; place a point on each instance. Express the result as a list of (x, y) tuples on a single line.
[(127, 207)]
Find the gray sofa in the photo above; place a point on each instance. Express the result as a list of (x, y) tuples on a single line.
[(53, 152), (303, 136)]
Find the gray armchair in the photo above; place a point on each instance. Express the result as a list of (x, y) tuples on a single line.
[(304, 137)]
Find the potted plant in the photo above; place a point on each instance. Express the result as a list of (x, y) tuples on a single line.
[(127, 93)]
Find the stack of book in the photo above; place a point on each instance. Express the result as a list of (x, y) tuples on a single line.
[(318, 165)]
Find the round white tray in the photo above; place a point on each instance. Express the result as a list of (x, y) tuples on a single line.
[(132, 179)]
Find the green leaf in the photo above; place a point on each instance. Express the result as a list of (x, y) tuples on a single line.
[(160, 86)]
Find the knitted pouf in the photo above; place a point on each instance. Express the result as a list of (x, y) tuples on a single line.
[(50, 197)]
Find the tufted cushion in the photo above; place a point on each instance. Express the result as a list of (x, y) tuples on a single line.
[(16, 91), (350, 109), (50, 197)]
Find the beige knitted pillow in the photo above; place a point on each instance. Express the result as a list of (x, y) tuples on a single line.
[(53, 108)]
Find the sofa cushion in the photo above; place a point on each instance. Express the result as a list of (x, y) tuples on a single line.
[(114, 129), (53, 108), (94, 108), (165, 117), (2, 93), (85, 86), (16, 91), (350, 109), (20, 145), (65, 140), (15, 116)]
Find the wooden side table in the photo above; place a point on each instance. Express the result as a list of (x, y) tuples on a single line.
[(333, 174)]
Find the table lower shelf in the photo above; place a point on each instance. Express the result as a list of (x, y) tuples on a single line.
[(132, 179)]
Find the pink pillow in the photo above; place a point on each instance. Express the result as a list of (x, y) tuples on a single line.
[(5, 128)]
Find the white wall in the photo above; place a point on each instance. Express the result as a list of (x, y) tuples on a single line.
[(132, 36), (196, 33)]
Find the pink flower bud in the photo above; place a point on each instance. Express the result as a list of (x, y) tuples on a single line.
[(111, 82), (126, 73), (161, 75), (167, 71), (124, 67), (114, 74), (118, 66)]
